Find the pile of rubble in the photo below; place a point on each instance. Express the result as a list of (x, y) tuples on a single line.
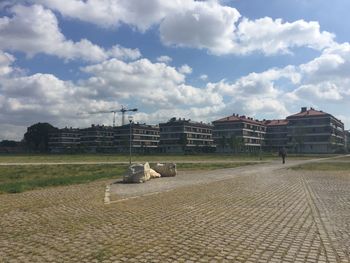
[(140, 173)]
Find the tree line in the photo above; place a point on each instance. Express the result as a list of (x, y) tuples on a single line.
[(36, 138)]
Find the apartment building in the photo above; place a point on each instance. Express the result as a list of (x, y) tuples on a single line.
[(238, 134), (97, 138), (276, 135), (181, 135), (64, 140), (308, 131), (144, 138), (347, 140), (314, 131)]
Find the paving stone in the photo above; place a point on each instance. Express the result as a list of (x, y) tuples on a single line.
[(276, 216)]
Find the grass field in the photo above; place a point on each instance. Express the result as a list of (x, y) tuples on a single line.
[(324, 166), (16, 179), (64, 158), (345, 158), (67, 158)]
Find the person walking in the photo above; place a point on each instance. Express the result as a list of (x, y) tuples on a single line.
[(283, 153)]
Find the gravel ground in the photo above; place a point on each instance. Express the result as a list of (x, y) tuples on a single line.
[(258, 214)]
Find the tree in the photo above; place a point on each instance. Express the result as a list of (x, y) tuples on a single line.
[(37, 137), (8, 143)]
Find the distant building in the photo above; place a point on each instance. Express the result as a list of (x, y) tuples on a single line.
[(64, 140), (313, 131), (276, 135), (181, 135), (144, 138), (97, 138), (238, 134), (347, 140), (309, 131)]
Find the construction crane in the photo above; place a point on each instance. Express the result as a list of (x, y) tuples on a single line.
[(122, 110)]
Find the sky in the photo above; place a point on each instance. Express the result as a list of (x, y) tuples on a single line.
[(63, 61)]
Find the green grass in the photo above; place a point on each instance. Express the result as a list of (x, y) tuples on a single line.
[(15, 179), (20, 178), (345, 158), (66, 158), (61, 158), (324, 166)]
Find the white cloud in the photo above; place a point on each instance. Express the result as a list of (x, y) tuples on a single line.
[(325, 91), (333, 64), (203, 77), (185, 69), (208, 25), (25, 100), (255, 84), (142, 77), (275, 36), (6, 60), (139, 14), (124, 53), (164, 59), (11, 131), (153, 84), (322, 81), (43, 97), (34, 29), (264, 106), (204, 25), (256, 93), (326, 78), (217, 28)]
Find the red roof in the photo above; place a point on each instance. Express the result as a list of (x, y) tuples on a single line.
[(310, 112), (276, 122), (236, 118)]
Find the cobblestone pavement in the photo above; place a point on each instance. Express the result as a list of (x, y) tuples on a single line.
[(275, 216), (119, 191)]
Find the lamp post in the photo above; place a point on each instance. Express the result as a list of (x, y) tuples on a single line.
[(130, 137)]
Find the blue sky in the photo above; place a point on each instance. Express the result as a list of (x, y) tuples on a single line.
[(60, 60)]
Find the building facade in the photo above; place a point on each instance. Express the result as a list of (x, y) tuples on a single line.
[(97, 138), (64, 140), (313, 131), (276, 135), (144, 138), (309, 131), (238, 134), (181, 135), (347, 141)]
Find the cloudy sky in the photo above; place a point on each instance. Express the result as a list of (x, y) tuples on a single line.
[(60, 60)]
